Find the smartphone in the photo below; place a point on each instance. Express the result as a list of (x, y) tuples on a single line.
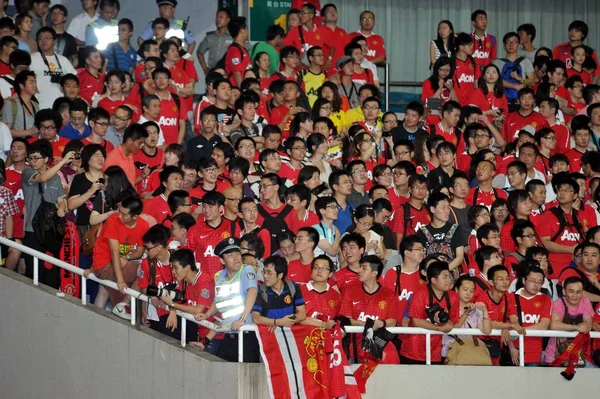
[(220, 118)]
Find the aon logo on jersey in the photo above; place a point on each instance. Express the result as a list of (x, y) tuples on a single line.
[(363, 317), (481, 54), (464, 78), (568, 236), (405, 295), (167, 121), (530, 318), (210, 251)]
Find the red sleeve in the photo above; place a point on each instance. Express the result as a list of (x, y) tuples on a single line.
[(555, 52), (292, 221), (494, 52), (547, 308), (277, 116), (398, 227), (548, 227), (455, 310), (595, 57), (506, 240), (476, 98), (191, 70), (110, 229), (597, 314), (416, 308), (293, 39), (389, 279), (566, 273), (266, 239), (393, 308), (512, 305), (346, 306), (427, 91), (233, 60)]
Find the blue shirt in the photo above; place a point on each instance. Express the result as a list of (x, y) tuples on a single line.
[(69, 132), (344, 219), (278, 305), (126, 61)]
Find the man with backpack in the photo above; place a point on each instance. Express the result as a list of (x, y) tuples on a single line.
[(440, 235), (561, 230), (237, 59), (412, 214), (273, 214), (516, 72), (587, 271), (309, 34)]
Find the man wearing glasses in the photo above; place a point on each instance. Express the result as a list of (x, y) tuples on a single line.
[(377, 53), (309, 34), (360, 176), (8, 44), (322, 301), (118, 123)]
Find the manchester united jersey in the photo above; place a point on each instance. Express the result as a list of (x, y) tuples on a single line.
[(321, 305), (409, 283), (203, 239)]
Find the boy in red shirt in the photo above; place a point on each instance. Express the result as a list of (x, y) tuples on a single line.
[(299, 270), (91, 79), (486, 45), (484, 193), (309, 34), (237, 58), (370, 300), (421, 312), (377, 53), (172, 115), (406, 224), (578, 31), (283, 115), (322, 301), (464, 72), (352, 248), (524, 116)]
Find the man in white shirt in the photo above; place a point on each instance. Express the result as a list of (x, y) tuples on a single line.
[(49, 67), (81, 21)]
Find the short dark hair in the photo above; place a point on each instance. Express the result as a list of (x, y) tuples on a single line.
[(88, 152), (235, 25), (176, 198), (184, 257), (495, 269), (134, 132), (374, 263), (477, 13), (42, 147), (19, 57), (273, 31), (48, 115), (313, 235), (168, 171), (21, 78), (213, 198), (127, 22), (325, 258), (435, 269), (157, 235), (97, 113), (529, 29), (254, 244), (134, 204), (184, 220), (580, 26), (321, 203), (279, 263), (353, 237)]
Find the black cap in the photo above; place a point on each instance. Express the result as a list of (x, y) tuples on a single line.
[(167, 2), (228, 245)]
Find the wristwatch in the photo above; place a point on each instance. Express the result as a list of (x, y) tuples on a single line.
[(242, 319)]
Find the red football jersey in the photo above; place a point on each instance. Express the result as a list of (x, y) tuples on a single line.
[(569, 237), (291, 219), (413, 346), (375, 42), (181, 78), (143, 160), (318, 36), (287, 171), (278, 115), (5, 68), (170, 115), (484, 198), (498, 310), (533, 310), (485, 51), (409, 283), (486, 102), (320, 305), (15, 184), (202, 104), (299, 272), (338, 39), (360, 305), (158, 208), (309, 220), (200, 293), (584, 75), (197, 193), (563, 138), (203, 239), (563, 52), (237, 59), (464, 80), (89, 85), (515, 122), (397, 199), (574, 160), (418, 218), (110, 105), (162, 276), (345, 278)]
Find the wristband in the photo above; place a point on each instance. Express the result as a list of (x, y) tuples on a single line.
[(275, 322), (384, 323)]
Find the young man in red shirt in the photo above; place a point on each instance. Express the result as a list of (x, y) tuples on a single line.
[(558, 237), (549, 109), (271, 206), (447, 126), (534, 311), (377, 54), (438, 292), (171, 179), (118, 247), (413, 214), (524, 116), (48, 124), (337, 36), (149, 158), (209, 230), (406, 279), (309, 34), (464, 72), (486, 45), (484, 193), (295, 147), (578, 31), (172, 114), (368, 299), (18, 155), (352, 247), (283, 115), (582, 135), (237, 58), (486, 258), (91, 79), (208, 180), (182, 84), (299, 196), (587, 271), (299, 270), (322, 301)]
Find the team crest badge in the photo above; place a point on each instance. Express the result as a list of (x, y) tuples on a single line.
[(287, 299), (174, 108), (205, 293), (52, 67), (382, 305), (332, 304), (538, 304), (226, 234)]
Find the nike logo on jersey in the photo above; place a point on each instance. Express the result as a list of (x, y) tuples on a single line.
[(347, 281), (12, 183), (203, 237), (355, 303)]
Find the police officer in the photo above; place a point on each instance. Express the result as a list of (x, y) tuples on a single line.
[(235, 294), (216, 42), (178, 27), (104, 30)]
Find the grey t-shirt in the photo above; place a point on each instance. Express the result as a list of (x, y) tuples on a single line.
[(53, 191), (530, 55), (22, 119)]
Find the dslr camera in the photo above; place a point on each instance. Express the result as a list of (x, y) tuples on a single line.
[(55, 78), (168, 290), (436, 309)]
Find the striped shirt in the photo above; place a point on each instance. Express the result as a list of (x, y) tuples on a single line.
[(125, 61)]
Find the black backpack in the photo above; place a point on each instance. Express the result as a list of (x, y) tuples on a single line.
[(275, 225), (221, 63)]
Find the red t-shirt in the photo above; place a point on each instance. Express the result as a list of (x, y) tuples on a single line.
[(154, 162), (110, 105), (320, 305), (563, 139), (376, 45), (409, 283), (5, 68), (170, 115), (115, 229), (277, 116), (464, 80), (486, 102), (237, 59), (197, 193), (418, 218), (345, 278), (569, 237), (318, 36), (584, 75), (484, 51), (58, 145), (310, 219), (397, 199), (563, 52), (533, 310), (89, 85), (299, 272), (158, 208), (515, 121), (360, 305), (107, 145), (287, 171), (202, 239), (162, 275), (15, 185), (574, 160), (200, 293), (338, 38), (202, 104), (413, 346), (181, 78), (484, 198), (498, 310)]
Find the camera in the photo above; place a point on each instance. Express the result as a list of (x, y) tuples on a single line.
[(442, 315), (78, 155), (168, 290), (55, 79), (387, 134)]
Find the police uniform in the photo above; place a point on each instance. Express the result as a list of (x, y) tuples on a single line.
[(176, 27), (217, 46), (101, 33), (230, 298)]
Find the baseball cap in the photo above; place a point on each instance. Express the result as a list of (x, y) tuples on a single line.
[(166, 2), (228, 245), (343, 60)]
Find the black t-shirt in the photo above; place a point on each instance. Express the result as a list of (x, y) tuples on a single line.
[(463, 221), (399, 133), (223, 115), (440, 235), (79, 186), (66, 45), (199, 147)]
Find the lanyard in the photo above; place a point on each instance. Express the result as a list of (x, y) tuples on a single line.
[(48, 65)]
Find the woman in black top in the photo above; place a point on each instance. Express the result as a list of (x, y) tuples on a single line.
[(117, 188)]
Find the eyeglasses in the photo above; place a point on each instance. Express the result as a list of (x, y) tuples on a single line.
[(419, 250), (528, 236), (371, 108), (265, 186), (535, 282), (482, 136), (386, 174), (118, 118), (209, 120), (367, 19), (322, 269), (148, 249), (359, 171), (34, 159), (211, 170), (366, 225), (47, 128), (566, 190), (233, 199), (401, 153), (102, 124)]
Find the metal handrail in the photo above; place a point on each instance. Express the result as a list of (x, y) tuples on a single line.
[(37, 256)]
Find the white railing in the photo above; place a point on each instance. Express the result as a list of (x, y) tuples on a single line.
[(37, 256)]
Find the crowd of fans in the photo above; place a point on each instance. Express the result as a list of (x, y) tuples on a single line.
[(284, 195)]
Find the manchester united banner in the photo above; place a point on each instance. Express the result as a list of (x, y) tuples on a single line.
[(296, 363)]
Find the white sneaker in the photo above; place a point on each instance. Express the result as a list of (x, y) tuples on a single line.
[(122, 310)]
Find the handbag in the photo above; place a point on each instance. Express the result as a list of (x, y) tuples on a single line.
[(468, 352), (48, 227), (90, 237)]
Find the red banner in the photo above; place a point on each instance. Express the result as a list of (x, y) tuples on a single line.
[(297, 364), (70, 283)]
